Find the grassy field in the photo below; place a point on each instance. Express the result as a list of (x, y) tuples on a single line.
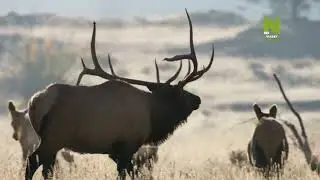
[(199, 149)]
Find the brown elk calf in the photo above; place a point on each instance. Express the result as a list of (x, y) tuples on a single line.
[(23, 131)]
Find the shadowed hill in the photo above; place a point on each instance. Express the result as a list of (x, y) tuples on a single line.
[(212, 18), (297, 40), (209, 18), (40, 19)]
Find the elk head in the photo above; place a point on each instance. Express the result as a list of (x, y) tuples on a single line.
[(272, 112), (173, 103), (17, 120)]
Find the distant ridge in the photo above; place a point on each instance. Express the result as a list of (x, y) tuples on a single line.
[(202, 18)]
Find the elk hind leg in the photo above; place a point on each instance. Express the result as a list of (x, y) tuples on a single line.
[(261, 161), (124, 164), (260, 158), (279, 159), (123, 157)]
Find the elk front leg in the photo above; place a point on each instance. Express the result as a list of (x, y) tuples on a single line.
[(32, 166), (122, 155), (48, 166)]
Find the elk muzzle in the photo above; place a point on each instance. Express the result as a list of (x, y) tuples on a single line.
[(196, 103), (15, 136)]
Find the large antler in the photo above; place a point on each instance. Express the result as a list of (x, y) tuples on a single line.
[(303, 140), (98, 71), (195, 74)]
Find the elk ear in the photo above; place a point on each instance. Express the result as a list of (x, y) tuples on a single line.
[(257, 110), (273, 111), (11, 106)]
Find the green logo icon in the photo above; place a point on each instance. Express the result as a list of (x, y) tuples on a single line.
[(271, 28)]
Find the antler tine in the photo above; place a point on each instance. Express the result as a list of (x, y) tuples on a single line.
[(97, 70), (191, 56), (93, 49), (171, 78), (189, 69), (157, 70), (205, 69), (110, 66), (82, 72), (174, 77)]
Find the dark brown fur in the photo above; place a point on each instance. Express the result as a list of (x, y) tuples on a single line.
[(268, 149), (77, 107)]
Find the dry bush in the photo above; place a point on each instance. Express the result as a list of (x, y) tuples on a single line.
[(238, 158)]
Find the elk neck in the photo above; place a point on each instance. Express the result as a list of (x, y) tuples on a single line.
[(165, 116)]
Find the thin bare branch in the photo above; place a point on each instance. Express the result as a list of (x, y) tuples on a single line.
[(303, 131), (303, 141), (295, 132)]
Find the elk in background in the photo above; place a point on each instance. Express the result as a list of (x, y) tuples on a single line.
[(268, 149)]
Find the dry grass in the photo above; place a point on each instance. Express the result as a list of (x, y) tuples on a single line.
[(199, 149), (206, 155)]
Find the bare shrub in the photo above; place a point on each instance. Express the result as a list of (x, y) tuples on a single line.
[(238, 158)]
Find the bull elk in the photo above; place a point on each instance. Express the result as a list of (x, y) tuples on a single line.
[(268, 149), (113, 117)]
